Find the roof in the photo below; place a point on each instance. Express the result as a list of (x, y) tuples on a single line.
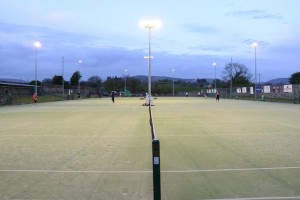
[(15, 84)]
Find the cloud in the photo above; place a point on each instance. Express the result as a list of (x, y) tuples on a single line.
[(195, 28), (57, 16), (260, 43), (255, 14), (102, 58)]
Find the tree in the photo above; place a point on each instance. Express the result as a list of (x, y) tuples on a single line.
[(295, 78), (163, 87), (57, 80), (135, 85), (239, 74), (75, 78), (94, 81), (38, 83), (113, 84), (47, 81), (201, 82)]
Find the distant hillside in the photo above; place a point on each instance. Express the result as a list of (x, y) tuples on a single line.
[(143, 78), (278, 81), (159, 78)]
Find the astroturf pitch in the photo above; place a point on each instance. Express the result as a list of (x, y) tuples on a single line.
[(96, 149)]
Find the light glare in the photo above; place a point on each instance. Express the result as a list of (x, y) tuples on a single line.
[(150, 24), (37, 44)]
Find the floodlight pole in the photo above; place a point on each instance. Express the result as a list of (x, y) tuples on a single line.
[(79, 61), (125, 76), (149, 24), (231, 78), (149, 66), (62, 77), (215, 64), (255, 72), (173, 81), (36, 70), (255, 84), (36, 45)]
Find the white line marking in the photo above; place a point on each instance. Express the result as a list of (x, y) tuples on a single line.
[(16, 126), (259, 198), (229, 170), (78, 136), (276, 122), (229, 134), (146, 171), (80, 171), (76, 111)]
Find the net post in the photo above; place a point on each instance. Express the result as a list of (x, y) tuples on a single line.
[(156, 169)]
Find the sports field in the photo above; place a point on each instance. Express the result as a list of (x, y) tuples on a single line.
[(94, 149)]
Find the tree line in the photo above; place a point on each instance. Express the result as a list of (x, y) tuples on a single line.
[(234, 74)]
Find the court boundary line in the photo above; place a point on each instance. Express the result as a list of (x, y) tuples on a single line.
[(259, 198), (285, 124), (147, 171), (161, 136), (16, 126), (229, 134)]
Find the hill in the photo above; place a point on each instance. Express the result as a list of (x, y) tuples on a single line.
[(278, 81), (144, 78)]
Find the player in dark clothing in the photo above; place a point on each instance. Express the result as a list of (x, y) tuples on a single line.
[(113, 96), (217, 96)]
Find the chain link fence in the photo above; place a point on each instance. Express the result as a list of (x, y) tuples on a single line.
[(272, 93), (13, 94)]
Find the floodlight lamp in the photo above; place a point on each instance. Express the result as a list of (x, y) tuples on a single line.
[(254, 44), (37, 44), (150, 24), (214, 64), (79, 61)]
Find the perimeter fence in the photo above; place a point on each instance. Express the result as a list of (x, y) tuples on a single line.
[(13, 94), (271, 93)]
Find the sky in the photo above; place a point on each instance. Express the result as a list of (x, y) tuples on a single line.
[(107, 38)]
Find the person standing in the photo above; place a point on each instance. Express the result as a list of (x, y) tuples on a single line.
[(113, 96), (34, 98), (217, 96)]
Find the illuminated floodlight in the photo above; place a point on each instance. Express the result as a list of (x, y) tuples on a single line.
[(37, 44), (254, 44), (154, 23)]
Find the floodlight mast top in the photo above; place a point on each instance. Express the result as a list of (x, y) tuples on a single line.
[(150, 24), (37, 44), (254, 44)]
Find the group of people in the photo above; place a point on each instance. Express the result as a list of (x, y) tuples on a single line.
[(199, 93)]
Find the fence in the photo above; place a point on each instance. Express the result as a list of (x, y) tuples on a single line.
[(11, 93), (273, 93)]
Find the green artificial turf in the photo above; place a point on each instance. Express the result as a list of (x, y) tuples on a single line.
[(96, 149)]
